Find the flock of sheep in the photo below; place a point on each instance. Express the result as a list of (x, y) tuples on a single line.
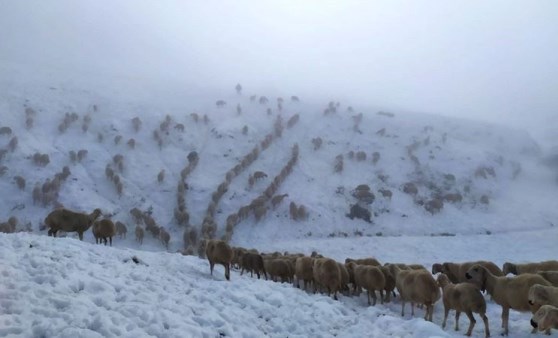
[(460, 286)]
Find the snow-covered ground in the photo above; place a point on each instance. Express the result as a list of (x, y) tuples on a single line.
[(66, 288)]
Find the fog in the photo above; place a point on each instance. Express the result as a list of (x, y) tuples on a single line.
[(489, 60)]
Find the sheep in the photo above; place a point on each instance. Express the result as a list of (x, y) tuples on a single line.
[(161, 176), (301, 213), (509, 293), (219, 252), (542, 295), (545, 318), (385, 193), (364, 261), (20, 181), (345, 278), (327, 274), (252, 262), (304, 270), (359, 212), (9, 226), (139, 234), (416, 286), (102, 230), (518, 269), (164, 236), (277, 199), (278, 268), (456, 271), (434, 205), (293, 211), (81, 154), (370, 278), (389, 285), (121, 229), (551, 276), (317, 142), (6, 131), (259, 175), (463, 297), (70, 221), (410, 188)]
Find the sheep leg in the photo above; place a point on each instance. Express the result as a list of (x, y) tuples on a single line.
[(446, 312), (242, 271), (402, 308), (374, 297), (211, 265), (382, 296), (110, 239), (412, 309), (227, 272), (472, 322), (505, 318), (486, 327), (457, 314)]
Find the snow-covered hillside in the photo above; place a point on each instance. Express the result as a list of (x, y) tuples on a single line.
[(63, 287)]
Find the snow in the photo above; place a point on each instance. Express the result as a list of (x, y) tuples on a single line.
[(62, 287)]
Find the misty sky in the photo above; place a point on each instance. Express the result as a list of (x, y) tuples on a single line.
[(495, 60)]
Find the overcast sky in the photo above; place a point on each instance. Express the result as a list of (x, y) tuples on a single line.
[(495, 60)]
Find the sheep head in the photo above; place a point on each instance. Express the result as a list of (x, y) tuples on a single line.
[(545, 318), (538, 294), (94, 215), (442, 280), (437, 267), (509, 268), (478, 275)]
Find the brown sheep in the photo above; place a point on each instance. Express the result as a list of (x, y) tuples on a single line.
[(161, 176), (139, 234), (278, 268), (327, 274), (293, 211), (364, 261), (219, 252), (518, 269), (277, 199), (102, 230), (463, 297), (369, 278), (545, 318), (164, 236), (121, 229), (304, 271), (390, 283), (551, 276), (456, 271), (509, 293), (416, 286), (252, 262), (70, 221), (259, 175), (9, 226)]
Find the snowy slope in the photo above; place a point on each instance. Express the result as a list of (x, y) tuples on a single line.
[(174, 295)]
